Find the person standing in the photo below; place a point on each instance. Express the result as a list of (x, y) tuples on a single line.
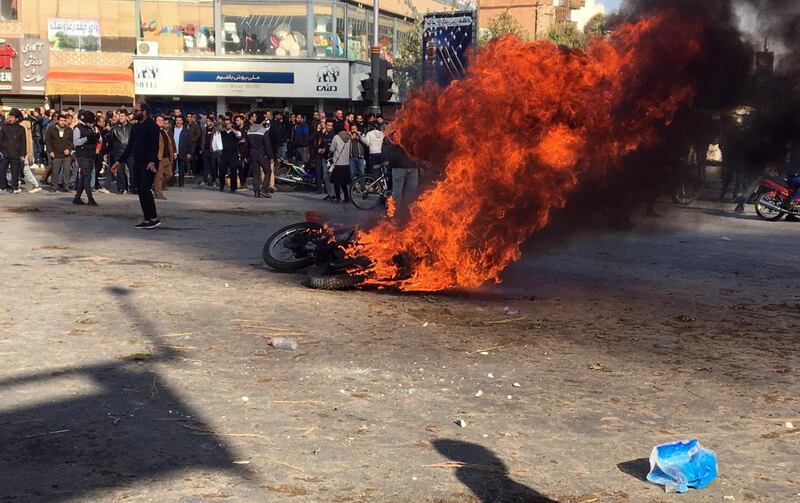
[(229, 161), (374, 142), (242, 125), (166, 155), (325, 138), (143, 146), (210, 155), (28, 162), (277, 136), (12, 148), (405, 175), (37, 133), (358, 163), (340, 177), (85, 139), (182, 138), (195, 132), (301, 138), (59, 147), (259, 148), (118, 137)]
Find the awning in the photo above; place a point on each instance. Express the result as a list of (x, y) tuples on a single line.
[(97, 81)]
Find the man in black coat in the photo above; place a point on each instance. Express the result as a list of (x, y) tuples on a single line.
[(259, 148), (143, 146), (12, 150)]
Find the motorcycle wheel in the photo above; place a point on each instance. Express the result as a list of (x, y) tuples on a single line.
[(281, 249), (366, 192), (762, 211), (332, 282), (685, 193), (280, 185)]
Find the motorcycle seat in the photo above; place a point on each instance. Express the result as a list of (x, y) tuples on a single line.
[(781, 180)]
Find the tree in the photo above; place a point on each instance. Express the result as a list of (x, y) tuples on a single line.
[(566, 35), (596, 26), (408, 59), (504, 24)]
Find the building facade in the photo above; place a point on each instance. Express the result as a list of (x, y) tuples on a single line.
[(538, 17), (196, 54)]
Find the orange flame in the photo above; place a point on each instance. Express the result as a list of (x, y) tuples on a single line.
[(515, 136), (391, 207)]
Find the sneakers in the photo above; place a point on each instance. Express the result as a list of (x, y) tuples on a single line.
[(78, 201), (104, 190), (92, 202), (17, 191), (148, 224), (35, 190)]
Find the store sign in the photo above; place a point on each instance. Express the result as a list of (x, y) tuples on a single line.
[(446, 37), (268, 79), (8, 64), (23, 66), (73, 34), (33, 65)]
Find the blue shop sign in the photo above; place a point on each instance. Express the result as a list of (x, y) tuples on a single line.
[(240, 77)]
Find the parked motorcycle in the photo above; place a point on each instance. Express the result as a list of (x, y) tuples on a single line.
[(771, 198), (319, 245), (290, 175)]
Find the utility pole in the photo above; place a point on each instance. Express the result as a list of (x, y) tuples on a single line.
[(375, 53)]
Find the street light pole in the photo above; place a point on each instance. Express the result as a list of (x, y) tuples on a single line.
[(375, 59)]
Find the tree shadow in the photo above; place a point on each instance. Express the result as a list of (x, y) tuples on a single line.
[(126, 426), (485, 474)]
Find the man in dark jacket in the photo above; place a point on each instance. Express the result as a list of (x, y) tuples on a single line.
[(195, 134), (119, 136), (184, 148), (277, 136), (259, 149), (300, 138), (143, 146), (85, 139), (13, 149), (59, 147), (37, 134), (229, 161)]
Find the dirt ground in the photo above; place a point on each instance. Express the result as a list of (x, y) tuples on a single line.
[(134, 365)]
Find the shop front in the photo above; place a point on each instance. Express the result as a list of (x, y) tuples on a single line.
[(242, 85), (23, 71)]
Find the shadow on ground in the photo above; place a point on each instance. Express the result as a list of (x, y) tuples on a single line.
[(485, 474), (130, 428)]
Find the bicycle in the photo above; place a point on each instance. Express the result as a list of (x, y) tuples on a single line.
[(367, 191)]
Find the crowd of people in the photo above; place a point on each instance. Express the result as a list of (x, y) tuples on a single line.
[(84, 151)]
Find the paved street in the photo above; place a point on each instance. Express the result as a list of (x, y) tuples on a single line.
[(134, 365)]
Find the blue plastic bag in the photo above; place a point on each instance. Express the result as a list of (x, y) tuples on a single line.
[(682, 465)]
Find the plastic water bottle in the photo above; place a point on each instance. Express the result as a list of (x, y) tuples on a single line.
[(283, 343)]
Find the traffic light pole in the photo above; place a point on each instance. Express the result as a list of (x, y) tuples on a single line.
[(375, 54)]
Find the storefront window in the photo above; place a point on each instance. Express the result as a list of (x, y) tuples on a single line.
[(265, 29), (184, 27), (326, 43), (80, 25), (8, 10), (386, 36), (357, 34)]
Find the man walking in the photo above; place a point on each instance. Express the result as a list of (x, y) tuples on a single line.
[(12, 148), (143, 146), (59, 146), (85, 140)]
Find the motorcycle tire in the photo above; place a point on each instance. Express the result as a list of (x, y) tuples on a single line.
[(269, 252), (763, 212), (685, 193), (332, 281), (280, 185)]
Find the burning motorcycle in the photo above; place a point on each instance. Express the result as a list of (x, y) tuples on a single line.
[(319, 245), (771, 198)]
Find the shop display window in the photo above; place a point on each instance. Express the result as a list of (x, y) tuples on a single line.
[(184, 27), (265, 28)]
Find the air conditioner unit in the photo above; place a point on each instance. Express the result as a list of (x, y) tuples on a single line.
[(147, 49)]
